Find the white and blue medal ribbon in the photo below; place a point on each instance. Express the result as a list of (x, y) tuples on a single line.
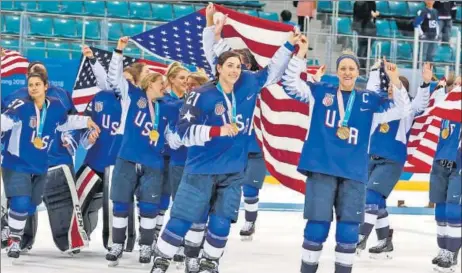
[(231, 105), (343, 132), (41, 117), (154, 112)]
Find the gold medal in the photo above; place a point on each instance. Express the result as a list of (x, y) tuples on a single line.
[(384, 128), (445, 133), (235, 128), (154, 135), (38, 143), (343, 132)]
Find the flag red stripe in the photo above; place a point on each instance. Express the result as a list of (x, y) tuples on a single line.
[(261, 49), (284, 105)]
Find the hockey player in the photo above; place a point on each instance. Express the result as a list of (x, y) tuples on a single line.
[(139, 164), (214, 124), (388, 152), (60, 186), (32, 121), (196, 79), (445, 191), (334, 156)]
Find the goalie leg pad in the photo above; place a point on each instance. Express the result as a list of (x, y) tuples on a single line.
[(89, 191), (64, 211)]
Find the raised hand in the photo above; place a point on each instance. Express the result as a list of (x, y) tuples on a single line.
[(122, 43), (427, 72), (87, 52)]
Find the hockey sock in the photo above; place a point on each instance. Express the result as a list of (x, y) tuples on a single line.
[(163, 207), (17, 215), (148, 213), (382, 227), (453, 230), (217, 237), (250, 203), (172, 237), (119, 222), (347, 237), (441, 224), (314, 237), (193, 240), (373, 200)]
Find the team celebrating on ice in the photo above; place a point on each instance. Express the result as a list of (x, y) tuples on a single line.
[(180, 136)]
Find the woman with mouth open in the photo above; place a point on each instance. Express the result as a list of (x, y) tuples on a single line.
[(335, 154)]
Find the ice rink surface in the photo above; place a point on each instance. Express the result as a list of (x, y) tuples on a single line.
[(276, 248)]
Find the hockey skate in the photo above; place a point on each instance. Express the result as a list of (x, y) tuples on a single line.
[(384, 248), (14, 249), (438, 257), (5, 235), (179, 258), (208, 266), (114, 254), (161, 265), (361, 245), (191, 265), (145, 254), (447, 262), (247, 231)]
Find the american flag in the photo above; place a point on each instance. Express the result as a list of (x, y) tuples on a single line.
[(12, 62), (85, 86), (426, 130), (280, 122)]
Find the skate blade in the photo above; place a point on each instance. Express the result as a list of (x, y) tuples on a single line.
[(113, 263), (359, 252), (15, 261), (381, 256), (247, 238)]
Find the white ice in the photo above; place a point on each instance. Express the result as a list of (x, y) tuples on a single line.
[(276, 248)]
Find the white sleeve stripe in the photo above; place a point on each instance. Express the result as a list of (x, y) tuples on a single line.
[(7, 123), (74, 122), (197, 135)]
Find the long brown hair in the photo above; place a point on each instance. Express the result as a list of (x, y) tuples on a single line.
[(136, 69), (151, 77)]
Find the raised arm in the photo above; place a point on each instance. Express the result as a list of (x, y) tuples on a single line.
[(115, 78), (96, 67)]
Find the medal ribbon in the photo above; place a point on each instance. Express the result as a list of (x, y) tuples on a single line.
[(173, 95), (446, 124), (154, 117), (231, 105), (41, 116), (345, 116)]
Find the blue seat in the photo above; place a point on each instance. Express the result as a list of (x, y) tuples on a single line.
[(34, 49), (65, 27), (312, 62), (140, 10), (383, 8), (96, 8), (132, 29), (344, 25), (40, 26), (398, 8), (76, 50), (12, 23), (198, 7), (385, 49), (250, 12), (182, 10), (414, 7), (7, 5), (444, 53), (394, 30), (115, 31), (404, 51), (162, 12), (150, 26), (459, 14), (25, 5), (72, 7), (324, 6), (50, 6), (345, 7), (272, 16), (92, 29), (58, 49), (383, 28), (10, 44), (134, 52), (117, 9)]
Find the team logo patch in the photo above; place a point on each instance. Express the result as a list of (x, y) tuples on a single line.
[(142, 103), (99, 106), (33, 122), (328, 99), (219, 109)]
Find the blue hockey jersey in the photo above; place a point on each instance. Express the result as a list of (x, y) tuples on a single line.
[(177, 156), (447, 147), (105, 110), (323, 151), (21, 118), (57, 153)]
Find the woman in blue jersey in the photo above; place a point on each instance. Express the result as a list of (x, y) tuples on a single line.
[(34, 122), (140, 162), (214, 124), (334, 156), (388, 152)]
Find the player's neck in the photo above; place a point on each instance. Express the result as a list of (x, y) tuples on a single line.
[(346, 89), (178, 93), (152, 96), (40, 101), (227, 87)]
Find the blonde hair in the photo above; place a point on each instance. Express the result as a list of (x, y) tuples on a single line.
[(151, 77), (173, 70), (199, 77), (135, 70)]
